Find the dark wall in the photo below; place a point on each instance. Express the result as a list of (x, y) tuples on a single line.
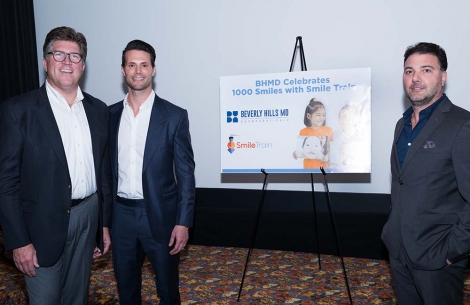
[(226, 217), (18, 56)]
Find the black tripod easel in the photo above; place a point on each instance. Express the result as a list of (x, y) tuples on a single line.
[(303, 66), (298, 44)]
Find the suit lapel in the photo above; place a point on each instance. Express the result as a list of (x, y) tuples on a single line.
[(398, 132), (114, 120), (93, 124), (436, 118), (155, 131), (46, 118)]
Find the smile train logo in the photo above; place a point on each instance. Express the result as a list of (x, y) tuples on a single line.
[(232, 116), (230, 145)]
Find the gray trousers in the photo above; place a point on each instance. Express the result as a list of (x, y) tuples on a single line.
[(427, 287), (67, 282)]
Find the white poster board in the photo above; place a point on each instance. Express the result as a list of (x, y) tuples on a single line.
[(296, 122)]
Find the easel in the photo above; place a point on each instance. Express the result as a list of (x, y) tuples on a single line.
[(298, 44)]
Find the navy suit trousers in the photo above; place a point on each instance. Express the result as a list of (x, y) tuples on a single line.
[(132, 241)]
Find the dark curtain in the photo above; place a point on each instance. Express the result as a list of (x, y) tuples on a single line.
[(18, 55)]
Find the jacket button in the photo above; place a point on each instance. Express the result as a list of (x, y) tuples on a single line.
[(401, 182), (68, 211), (69, 186)]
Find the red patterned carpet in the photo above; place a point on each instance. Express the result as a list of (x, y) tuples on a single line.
[(212, 275), (281, 277)]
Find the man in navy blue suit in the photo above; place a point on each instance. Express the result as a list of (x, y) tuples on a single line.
[(152, 181)]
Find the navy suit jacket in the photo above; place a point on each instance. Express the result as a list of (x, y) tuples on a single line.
[(430, 210), (35, 185), (168, 168)]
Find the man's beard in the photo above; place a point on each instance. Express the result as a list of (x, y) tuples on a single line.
[(139, 87), (422, 102), (425, 100)]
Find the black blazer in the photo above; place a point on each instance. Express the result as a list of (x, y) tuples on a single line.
[(430, 210), (35, 185), (168, 168)]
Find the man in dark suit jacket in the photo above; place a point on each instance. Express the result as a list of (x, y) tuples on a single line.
[(428, 230), (52, 146), (152, 177)]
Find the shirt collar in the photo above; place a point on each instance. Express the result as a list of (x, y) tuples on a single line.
[(148, 103), (60, 98), (425, 113)]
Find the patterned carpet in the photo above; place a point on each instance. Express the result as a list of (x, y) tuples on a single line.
[(212, 275)]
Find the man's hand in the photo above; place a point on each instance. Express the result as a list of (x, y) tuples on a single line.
[(179, 237), (106, 244), (25, 259)]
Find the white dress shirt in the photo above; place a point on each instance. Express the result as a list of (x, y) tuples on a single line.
[(76, 138), (131, 146)]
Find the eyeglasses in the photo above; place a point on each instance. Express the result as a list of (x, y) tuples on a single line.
[(60, 56)]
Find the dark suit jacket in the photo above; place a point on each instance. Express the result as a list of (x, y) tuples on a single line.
[(168, 167), (35, 185), (430, 210)]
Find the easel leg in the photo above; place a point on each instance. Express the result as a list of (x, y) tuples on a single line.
[(316, 221), (336, 234), (253, 234)]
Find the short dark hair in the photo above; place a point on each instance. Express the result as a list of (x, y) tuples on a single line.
[(66, 34), (142, 46), (428, 48), (312, 107)]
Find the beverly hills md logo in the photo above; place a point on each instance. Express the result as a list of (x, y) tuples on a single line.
[(232, 116)]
